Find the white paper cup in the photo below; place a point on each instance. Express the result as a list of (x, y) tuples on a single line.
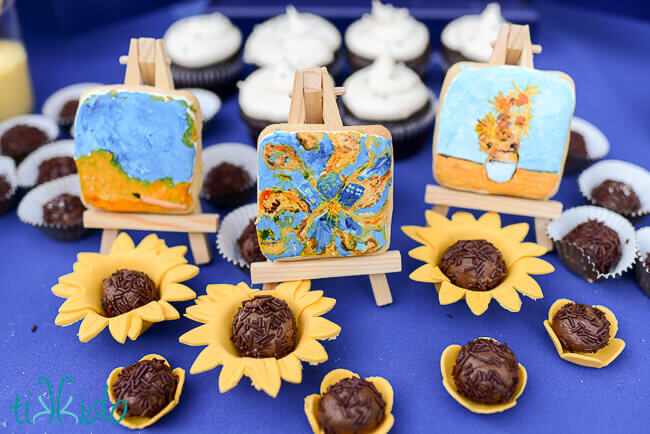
[(30, 208), (209, 102), (43, 123), (643, 250), (27, 171), (574, 258), (636, 177), (237, 154), (8, 170), (230, 230)]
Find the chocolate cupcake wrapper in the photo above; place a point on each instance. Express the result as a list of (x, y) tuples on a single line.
[(230, 230), (27, 171), (574, 258), (240, 155), (30, 208), (408, 135), (596, 144), (43, 123), (636, 177), (220, 77), (643, 250), (8, 170), (55, 102), (209, 102)]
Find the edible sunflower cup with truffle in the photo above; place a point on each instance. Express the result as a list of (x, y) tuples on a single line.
[(448, 360), (598, 359), (82, 289), (381, 385), (520, 258), (217, 310), (139, 422)]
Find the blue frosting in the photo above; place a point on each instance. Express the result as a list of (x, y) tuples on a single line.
[(144, 133)]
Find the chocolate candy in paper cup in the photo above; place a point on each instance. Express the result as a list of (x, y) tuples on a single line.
[(643, 259), (596, 145), (236, 154), (8, 173), (28, 170), (230, 230)]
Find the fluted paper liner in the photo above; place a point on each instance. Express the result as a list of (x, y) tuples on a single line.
[(237, 154), (28, 169), (230, 230), (43, 123), (8, 170), (643, 250)]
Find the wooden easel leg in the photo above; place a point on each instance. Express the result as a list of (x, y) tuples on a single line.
[(269, 286), (441, 209), (108, 236), (540, 233), (380, 289), (200, 247)]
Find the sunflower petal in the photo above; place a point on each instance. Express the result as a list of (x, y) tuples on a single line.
[(334, 376), (310, 350), (73, 304), (150, 242), (90, 327), (529, 249), (88, 259), (528, 286), (450, 293), (66, 318), (209, 358), (176, 292), (123, 243), (463, 218), (490, 219), (230, 375), (119, 327), (413, 233), (436, 220), (272, 378), (201, 312), (221, 292), (422, 253), (324, 305), (477, 301), (290, 369), (309, 299), (169, 312), (135, 329), (152, 312), (65, 290), (534, 266), (508, 298), (516, 232), (180, 273), (201, 335), (321, 328), (423, 273)]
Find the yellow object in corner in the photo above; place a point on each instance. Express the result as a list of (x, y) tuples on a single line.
[(216, 311), (15, 82), (447, 362), (383, 387), (166, 266), (137, 422), (600, 358)]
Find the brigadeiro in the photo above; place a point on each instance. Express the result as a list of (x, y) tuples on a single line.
[(617, 196), (56, 168), (7, 184), (581, 328), (264, 327), (21, 135), (599, 242), (352, 405), (51, 161), (249, 245), (643, 259), (474, 264), (230, 174), (486, 371), (63, 210), (237, 238), (126, 290), (146, 386), (586, 145)]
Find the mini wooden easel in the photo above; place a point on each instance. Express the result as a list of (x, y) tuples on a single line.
[(313, 101), (512, 47), (147, 62)]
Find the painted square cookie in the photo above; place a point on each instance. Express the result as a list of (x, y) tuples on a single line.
[(324, 193)]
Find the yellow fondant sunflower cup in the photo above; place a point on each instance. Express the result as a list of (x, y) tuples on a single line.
[(137, 422), (217, 309), (382, 385), (600, 358), (166, 266), (520, 258)]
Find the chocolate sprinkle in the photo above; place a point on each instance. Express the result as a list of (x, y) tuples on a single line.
[(19, 141), (34, 327), (126, 290), (352, 405), (147, 387), (264, 327), (64, 210), (599, 242), (249, 245), (581, 328), (56, 167), (473, 264), (617, 196), (486, 371)]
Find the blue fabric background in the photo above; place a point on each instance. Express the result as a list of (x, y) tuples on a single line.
[(607, 58)]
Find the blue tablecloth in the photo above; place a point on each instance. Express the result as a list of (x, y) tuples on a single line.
[(607, 58)]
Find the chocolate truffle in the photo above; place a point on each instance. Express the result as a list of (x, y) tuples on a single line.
[(581, 328), (64, 210), (352, 405), (56, 167), (599, 242), (473, 264), (19, 141), (226, 178), (126, 290), (68, 112), (264, 327), (147, 387), (5, 187), (617, 196), (577, 145), (486, 371), (249, 245), (647, 262)]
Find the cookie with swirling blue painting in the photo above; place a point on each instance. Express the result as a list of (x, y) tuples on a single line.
[(324, 194)]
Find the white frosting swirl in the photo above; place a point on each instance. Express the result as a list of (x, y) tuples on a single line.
[(265, 93), (387, 31), (385, 91), (301, 39), (201, 40), (473, 35)]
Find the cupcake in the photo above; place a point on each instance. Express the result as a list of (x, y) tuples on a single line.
[(470, 37), (264, 97), (586, 144), (229, 174), (55, 208), (8, 184), (390, 94), (388, 31), (594, 243), (62, 105), (51, 161), (619, 186), (302, 39), (643, 259), (237, 238), (22, 135), (204, 50)]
